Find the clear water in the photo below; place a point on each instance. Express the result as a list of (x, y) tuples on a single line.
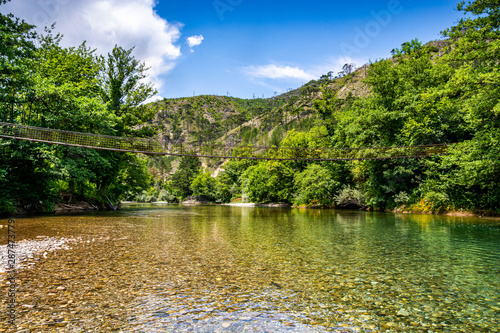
[(169, 268)]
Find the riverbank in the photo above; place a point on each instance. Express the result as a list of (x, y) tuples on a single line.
[(59, 208), (251, 204), (418, 210), (423, 208), (400, 210), (456, 213), (75, 207), (83, 206)]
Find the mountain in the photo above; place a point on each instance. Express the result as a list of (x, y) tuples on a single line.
[(231, 121)]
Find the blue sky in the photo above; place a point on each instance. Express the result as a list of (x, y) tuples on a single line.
[(242, 47)]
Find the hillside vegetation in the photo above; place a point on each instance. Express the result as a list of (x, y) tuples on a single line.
[(442, 92), (264, 122), (445, 91)]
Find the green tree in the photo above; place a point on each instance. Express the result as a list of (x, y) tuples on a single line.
[(124, 91), (66, 89), (204, 184), (268, 182), (315, 185), (299, 144), (327, 108), (476, 37), (133, 178), (17, 53), (189, 167), (17, 165), (468, 175), (229, 181)]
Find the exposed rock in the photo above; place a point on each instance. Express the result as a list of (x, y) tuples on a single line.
[(77, 206), (196, 200), (403, 313)]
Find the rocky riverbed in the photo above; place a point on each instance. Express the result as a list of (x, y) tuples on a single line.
[(28, 252), (214, 268)]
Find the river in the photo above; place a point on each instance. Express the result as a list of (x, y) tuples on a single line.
[(172, 268)]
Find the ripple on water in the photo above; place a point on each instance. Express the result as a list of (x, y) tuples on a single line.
[(249, 313), (217, 269)]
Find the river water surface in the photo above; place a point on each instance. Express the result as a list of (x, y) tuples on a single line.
[(170, 268)]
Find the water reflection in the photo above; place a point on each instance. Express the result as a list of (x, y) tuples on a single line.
[(212, 268)]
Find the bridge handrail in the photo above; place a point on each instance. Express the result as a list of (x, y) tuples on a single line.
[(213, 150)]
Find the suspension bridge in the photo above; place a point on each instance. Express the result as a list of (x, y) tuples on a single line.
[(156, 147)]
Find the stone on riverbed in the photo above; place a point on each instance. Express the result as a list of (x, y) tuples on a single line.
[(403, 313)]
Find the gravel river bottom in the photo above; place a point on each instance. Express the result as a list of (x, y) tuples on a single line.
[(172, 268)]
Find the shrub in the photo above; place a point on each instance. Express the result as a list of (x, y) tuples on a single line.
[(315, 185), (267, 182), (350, 197), (165, 195), (437, 200), (401, 198)]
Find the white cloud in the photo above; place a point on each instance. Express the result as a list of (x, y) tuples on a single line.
[(194, 41), (104, 23), (265, 74), (273, 71)]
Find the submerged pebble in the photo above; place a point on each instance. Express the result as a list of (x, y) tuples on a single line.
[(250, 269)]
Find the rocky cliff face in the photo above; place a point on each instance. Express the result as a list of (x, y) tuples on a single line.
[(231, 121)]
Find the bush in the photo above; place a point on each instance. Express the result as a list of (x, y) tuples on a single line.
[(268, 182), (245, 197), (401, 198), (142, 197), (165, 195), (437, 200), (350, 197)]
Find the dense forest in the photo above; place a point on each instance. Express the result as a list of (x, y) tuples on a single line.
[(46, 85), (445, 91)]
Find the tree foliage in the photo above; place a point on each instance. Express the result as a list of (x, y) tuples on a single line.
[(441, 92), (204, 184), (317, 185), (124, 89), (424, 94), (189, 167), (47, 85)]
